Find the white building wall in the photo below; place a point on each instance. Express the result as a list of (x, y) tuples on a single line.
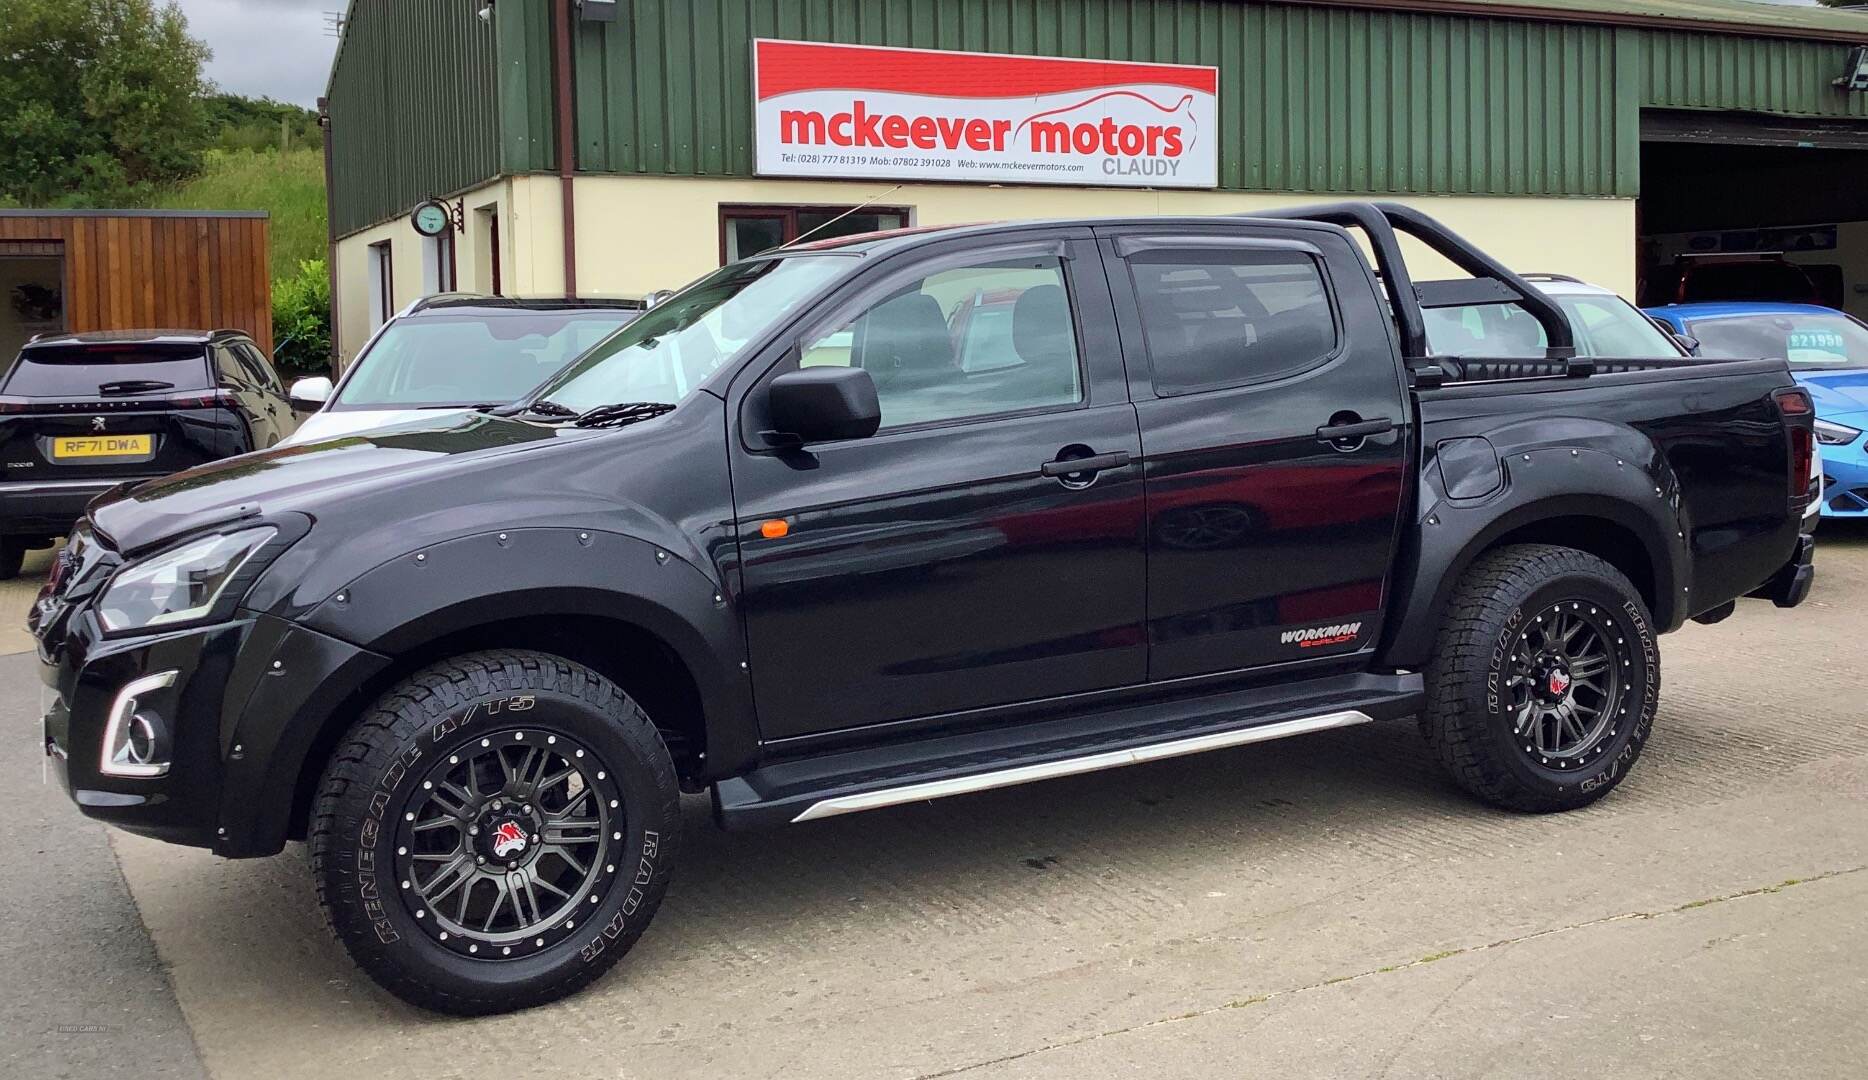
[(639, 234)]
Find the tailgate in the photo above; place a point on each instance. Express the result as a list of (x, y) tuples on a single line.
[(89, 411)]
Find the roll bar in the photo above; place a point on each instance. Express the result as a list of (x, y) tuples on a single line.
[(1493, 281)]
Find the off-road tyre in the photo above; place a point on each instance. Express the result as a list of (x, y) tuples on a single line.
[(1471, 721), (461, 707)]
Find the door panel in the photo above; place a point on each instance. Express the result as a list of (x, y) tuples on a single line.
[(935, 567), (1267, 543)]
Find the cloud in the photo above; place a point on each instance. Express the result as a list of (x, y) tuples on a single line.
[(266, 48)]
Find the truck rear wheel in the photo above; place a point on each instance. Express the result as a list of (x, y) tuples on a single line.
[(1544, 680), (495, 832)]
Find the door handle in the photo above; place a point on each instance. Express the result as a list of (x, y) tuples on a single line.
[(1341, 434), (1095, 463)]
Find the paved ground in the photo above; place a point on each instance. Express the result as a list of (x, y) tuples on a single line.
[(1322, 906)]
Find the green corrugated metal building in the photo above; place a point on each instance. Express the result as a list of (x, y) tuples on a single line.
[(615, 147)]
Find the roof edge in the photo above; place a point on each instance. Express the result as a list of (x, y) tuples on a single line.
[(1505, 9)]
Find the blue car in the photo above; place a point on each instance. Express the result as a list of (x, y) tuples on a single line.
[(1828, 354)]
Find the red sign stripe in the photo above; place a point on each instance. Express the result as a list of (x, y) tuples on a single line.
[(787, 67)]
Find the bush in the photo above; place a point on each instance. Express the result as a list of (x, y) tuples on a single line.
[(301, 320)]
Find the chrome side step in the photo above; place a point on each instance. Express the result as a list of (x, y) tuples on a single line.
[(1025, 774)]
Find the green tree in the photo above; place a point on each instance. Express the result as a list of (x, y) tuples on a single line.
[(100, 100)]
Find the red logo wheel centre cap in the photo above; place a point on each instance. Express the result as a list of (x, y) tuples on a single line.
[(509, 839)]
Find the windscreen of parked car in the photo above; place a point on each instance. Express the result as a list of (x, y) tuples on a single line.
[(676, 344), (1604, 326), (104, 370), (1817, 341), (439, 360)]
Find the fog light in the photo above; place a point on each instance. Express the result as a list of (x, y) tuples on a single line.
[(135, 742)]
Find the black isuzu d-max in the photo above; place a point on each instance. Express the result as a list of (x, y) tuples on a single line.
[(897, 517)]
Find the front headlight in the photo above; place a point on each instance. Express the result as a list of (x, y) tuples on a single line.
[(1830, 433), (180, 585)]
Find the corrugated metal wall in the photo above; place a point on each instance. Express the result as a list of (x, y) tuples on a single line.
[(413, 97), (429, 99), (1713, 71), (1312, 98)]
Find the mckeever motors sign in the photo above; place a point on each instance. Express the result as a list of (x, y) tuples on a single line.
[(918, 114)]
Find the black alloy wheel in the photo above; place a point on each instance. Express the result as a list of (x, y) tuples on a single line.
[(1568, 686), (495, 832), (507, 841), (1544, 679)]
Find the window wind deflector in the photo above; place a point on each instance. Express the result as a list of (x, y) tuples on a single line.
[(1127, 246)]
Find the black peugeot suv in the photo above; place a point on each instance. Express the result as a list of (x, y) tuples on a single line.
[(82, 413)]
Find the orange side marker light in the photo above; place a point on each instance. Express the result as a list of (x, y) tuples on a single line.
[(775, 529)]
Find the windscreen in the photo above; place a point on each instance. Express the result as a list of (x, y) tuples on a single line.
[(679, 342), (436, 360), (1818, 341), (106, 370), (1604, 326)]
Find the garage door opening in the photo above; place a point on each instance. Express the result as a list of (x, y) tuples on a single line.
[(32, 292), (1739, 207)]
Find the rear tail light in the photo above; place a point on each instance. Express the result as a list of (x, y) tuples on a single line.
[(14, 405), (1794, 403)]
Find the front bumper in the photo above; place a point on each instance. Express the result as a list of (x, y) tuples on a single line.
[(1845, 479), (247, 701)]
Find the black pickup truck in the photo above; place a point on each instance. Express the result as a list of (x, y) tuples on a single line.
[(897, 517)]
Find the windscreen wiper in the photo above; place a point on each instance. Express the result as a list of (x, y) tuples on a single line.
[(622, 413), (133, 386), (537, 408)]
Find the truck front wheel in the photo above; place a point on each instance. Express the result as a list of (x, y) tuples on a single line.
[(495, 832), (1544, 680)]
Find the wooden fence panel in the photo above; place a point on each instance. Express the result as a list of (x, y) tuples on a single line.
[(143, 270)]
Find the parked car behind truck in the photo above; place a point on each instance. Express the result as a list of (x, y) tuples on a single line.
[(452, 353), (1828, 354), (776, 541), (82, 413)]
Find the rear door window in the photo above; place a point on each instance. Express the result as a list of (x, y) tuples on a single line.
[(1217, 317), (103, 370)]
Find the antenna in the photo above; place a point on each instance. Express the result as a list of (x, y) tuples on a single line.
[(871, 201), (333, 24)]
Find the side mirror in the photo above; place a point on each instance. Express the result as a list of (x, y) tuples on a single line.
[(822, 404), (310, 394), (1690, 344)]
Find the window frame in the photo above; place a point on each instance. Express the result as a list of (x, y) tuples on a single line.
[(789, 350), (788, 232), (1150, 248)]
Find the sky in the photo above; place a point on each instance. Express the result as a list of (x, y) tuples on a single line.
[(266, 48)]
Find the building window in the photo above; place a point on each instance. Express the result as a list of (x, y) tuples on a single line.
[(382, 284), (486, 250), (748, 230), (438, 271)]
